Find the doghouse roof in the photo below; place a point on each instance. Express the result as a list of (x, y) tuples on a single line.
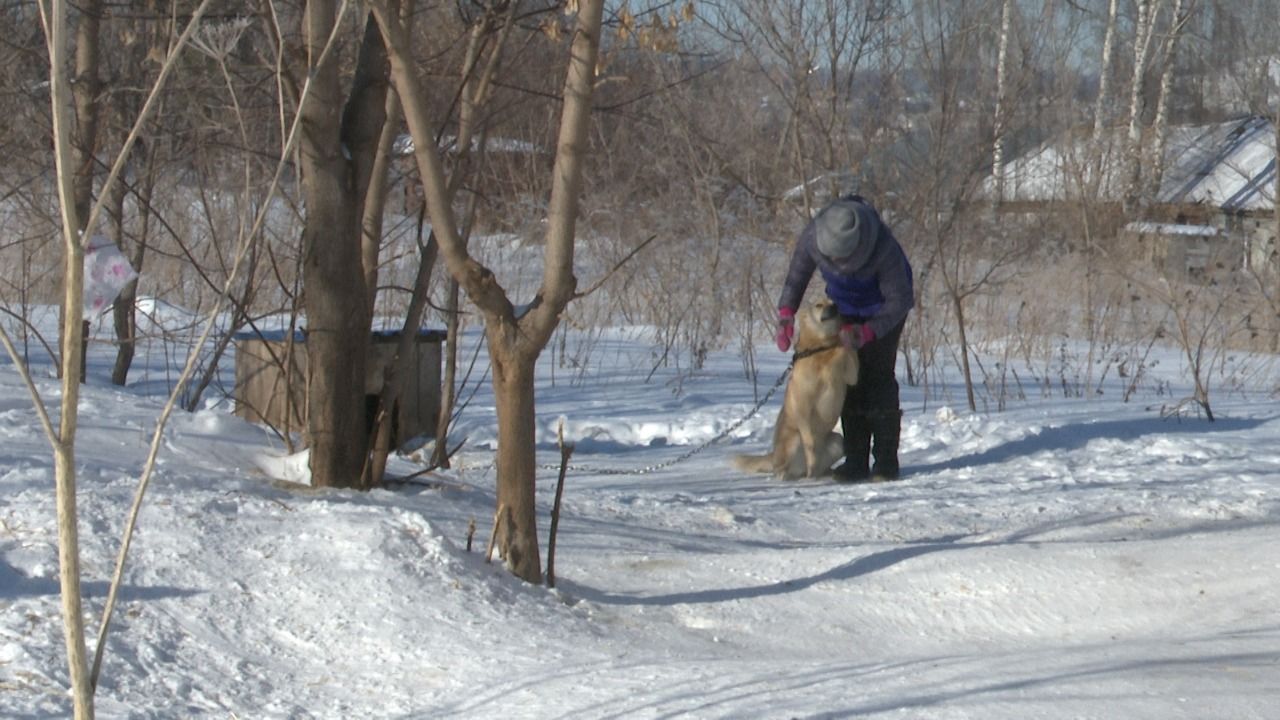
[(378, 336)]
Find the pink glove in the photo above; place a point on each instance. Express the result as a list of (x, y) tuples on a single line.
[(786, 328), (854, 336)]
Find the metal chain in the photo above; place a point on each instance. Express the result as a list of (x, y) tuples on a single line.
[(689, 453)]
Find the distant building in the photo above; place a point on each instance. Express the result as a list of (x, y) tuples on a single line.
[(1215, 204)]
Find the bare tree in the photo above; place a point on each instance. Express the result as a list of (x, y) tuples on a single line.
[(147, 37), (516, 335), (1160, 123), (340, 139), (1093, 175), (487, 40), (64, 441), (813, 57), (966, 253), (75, 231), (1253, 27), (1246, 50)]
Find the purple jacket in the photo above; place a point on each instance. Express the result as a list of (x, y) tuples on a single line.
[(873, 288)]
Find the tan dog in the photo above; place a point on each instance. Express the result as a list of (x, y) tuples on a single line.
[(804, 443)]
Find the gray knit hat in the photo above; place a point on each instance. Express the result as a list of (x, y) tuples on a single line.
[(843, 231)]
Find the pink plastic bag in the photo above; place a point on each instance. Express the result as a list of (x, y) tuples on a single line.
[(106, 272)]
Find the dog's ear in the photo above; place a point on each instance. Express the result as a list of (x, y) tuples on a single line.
[(804, 327)]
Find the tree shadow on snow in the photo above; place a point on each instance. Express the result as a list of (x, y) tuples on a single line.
[(14, 584), (1067, 438), (847, 571)]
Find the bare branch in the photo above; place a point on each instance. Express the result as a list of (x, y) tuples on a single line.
[(25, 374), (605, 278)]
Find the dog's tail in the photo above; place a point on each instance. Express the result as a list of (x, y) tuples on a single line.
[(754, 463)]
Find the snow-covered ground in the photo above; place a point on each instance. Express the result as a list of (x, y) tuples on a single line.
[(1066, 558)]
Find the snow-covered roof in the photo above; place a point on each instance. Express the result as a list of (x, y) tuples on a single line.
[(1155, 228), (1227, 165), (1231, 166)]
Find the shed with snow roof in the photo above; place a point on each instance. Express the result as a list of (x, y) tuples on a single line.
[(1184, 250)]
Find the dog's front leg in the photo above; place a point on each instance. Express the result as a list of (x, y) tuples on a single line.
[(809, 444)]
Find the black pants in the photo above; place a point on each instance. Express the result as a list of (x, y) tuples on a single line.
[(872, 410), (877, 390)]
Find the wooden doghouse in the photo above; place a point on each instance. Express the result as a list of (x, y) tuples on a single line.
[(271, 380)]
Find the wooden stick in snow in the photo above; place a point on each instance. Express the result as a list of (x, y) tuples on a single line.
[(566, 450), (493, 536)]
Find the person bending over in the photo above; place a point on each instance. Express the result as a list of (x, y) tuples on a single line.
[(869, 279)]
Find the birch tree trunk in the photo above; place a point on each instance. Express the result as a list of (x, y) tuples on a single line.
[(1160, 124), (1137, 104), (1000, 122), (1095, 181)]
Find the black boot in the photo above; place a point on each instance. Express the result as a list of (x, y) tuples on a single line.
[(886, 427), (857, 449)]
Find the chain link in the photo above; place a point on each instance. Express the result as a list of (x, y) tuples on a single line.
[(689, 453)]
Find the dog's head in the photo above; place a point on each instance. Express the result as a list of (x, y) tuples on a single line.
[(819, 326)]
